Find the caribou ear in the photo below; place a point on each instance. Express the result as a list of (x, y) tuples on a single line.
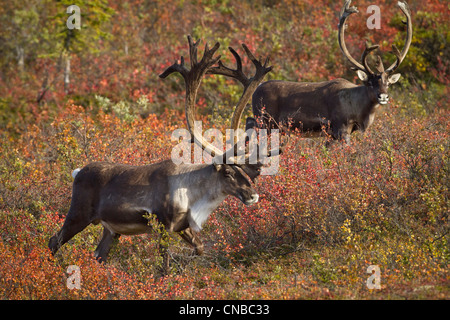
[(394, 78), (250, 123), (252, 170), (362, 75)]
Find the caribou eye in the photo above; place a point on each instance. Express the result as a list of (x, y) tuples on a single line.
[(229, 174)]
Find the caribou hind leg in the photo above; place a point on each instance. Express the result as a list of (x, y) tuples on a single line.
[(102, 251), (79, 217), (70, 228)]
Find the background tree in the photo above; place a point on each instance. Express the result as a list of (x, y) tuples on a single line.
[(72, 42)]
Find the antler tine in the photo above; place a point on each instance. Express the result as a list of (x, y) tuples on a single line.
[(205, 64), (266, 62), (398, 57), (407, 12), (193, 48), (250, 85), (237, 73), (347, 10), (193, 79), (261, 69), (365, 54), (176, 67), (380, 66)]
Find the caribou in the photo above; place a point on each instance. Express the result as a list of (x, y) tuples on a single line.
[(337, 107), (181, 196)]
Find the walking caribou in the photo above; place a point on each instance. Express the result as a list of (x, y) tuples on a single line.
[(181, 196), (337, 106)]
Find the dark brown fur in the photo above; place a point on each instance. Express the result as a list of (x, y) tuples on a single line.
[(337, 105)]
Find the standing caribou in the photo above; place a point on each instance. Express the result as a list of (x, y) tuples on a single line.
[(180, 196), (338, 106)]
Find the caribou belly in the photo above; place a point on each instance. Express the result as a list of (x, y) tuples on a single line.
[(126, 228)]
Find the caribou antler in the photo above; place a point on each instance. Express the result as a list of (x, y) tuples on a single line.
[(400, 56), (345, 13), (193, 78), (364, 56), (250, 84), (233, 73)]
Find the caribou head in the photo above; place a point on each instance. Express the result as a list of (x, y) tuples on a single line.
[(236, 183), (379, 80)]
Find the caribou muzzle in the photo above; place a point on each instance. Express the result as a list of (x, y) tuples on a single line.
[(249, 200), (383, 98)]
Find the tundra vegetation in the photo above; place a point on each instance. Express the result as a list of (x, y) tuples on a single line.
[(319, 223)]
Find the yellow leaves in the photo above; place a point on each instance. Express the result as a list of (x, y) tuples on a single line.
[(435, 199), (348, 235)]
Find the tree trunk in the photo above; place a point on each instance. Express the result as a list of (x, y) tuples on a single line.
[(66, 74), (20, 58)]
